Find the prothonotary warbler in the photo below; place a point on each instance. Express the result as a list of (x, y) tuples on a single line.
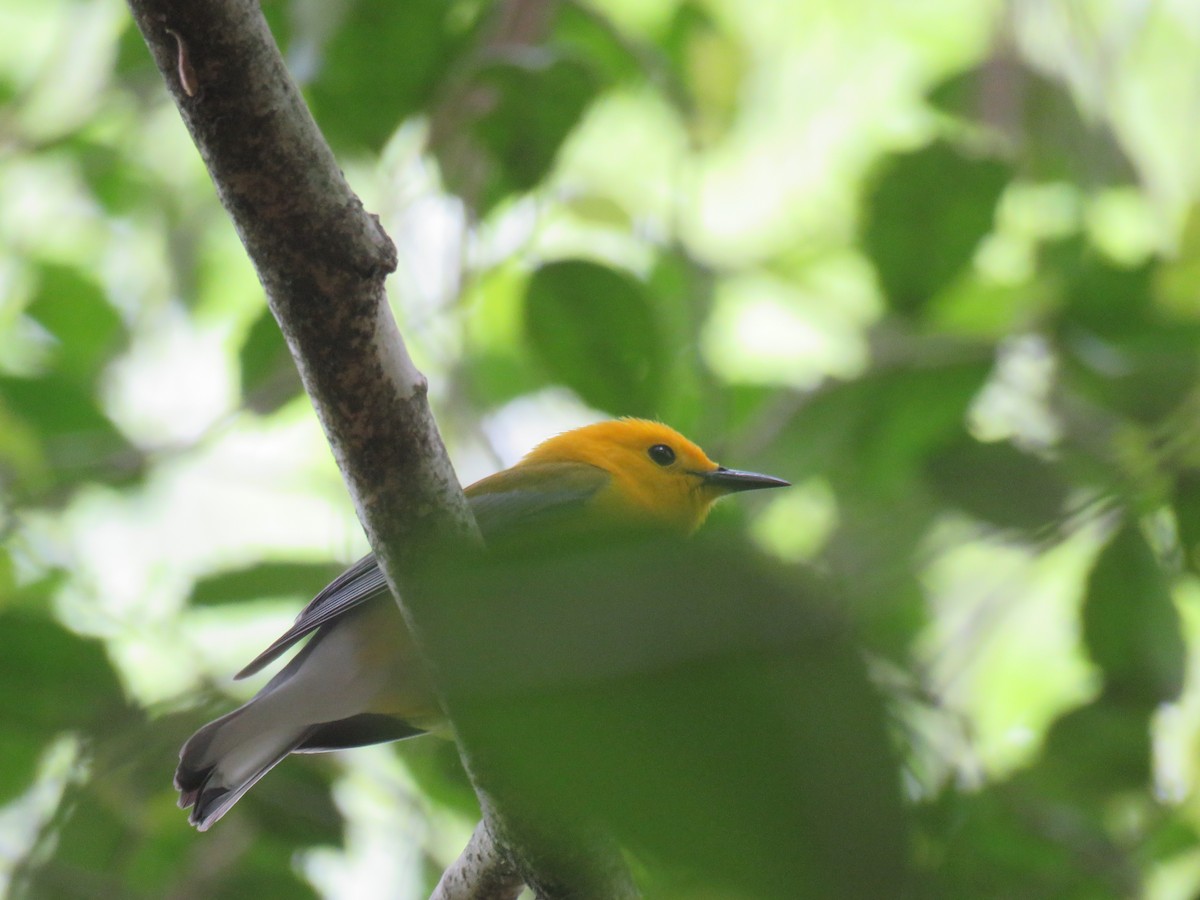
[(358, 680)]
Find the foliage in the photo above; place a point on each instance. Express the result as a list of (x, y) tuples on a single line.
[(942, 279)]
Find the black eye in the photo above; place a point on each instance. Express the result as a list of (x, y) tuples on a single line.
[(662, 454)]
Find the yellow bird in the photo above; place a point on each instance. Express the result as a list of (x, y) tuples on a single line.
[(358, 680)]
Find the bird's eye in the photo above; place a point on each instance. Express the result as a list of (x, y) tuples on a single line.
[(662, 454)]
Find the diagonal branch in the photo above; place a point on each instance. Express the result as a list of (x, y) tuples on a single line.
[(322, 261)]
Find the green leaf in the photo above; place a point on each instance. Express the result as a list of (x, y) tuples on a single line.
[(594, 331), (385, 62), (74, 309), (709, 64), (500, 132), (121, 184), (496, 376), (1096, 752), (873, 434), (925, 217), (271, 579), (1187, 517), (1121, 349), (1098, 295), (998, 483), (632, 705), (1006, 841), (269, 376), (58, 682), (579, 32), (1041, 121), (77, 439), (1130, 625)]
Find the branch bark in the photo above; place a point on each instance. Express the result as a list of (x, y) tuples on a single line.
[(480, 873), (322, 260)]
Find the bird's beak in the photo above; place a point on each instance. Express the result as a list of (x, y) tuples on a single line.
[(732, 480)]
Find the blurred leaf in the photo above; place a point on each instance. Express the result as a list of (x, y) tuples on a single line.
[(133, 64), (495, 377), (873, 434), (501, 131), (269, 376), (267, 579), (594, 330), (120, 183), (1099, 295), (709, 64), (59, 408), (1187, 517), (1121, 349), (1143, 376), (1051, 829), (1130, 625), (1005, 841), (100, 851), (78, 439), (999, 484), (1049, 137), (384, 63), (579, 32), (56, 682), (436, 767), (925, 216), (1094, 753), (632, 703), (1177, 278), (73, 307), (294, 804)]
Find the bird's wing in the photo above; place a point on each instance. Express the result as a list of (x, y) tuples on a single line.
[(356, 585), (509, 501), (533, 496)]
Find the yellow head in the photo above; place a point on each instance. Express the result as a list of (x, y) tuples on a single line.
[(658, 475)]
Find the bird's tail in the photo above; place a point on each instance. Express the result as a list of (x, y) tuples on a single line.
[(225, 758)]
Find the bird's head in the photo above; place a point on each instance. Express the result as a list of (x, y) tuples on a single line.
[(658, 475)]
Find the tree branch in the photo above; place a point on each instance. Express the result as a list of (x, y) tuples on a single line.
[(322, 261), (480, 873)]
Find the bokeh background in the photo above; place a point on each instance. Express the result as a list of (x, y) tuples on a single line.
[(935, 262)]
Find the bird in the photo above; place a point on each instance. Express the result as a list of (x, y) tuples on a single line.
[(359, 680)]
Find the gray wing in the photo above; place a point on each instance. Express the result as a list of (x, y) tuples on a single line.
[(506, 502), (356, 585)]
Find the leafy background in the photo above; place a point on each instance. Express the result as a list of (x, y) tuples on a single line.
[(934, 262)]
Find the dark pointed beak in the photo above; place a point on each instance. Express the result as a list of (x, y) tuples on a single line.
[(732, 480)]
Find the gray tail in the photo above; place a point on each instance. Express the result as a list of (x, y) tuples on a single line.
[(226, 757), (203, 777)]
